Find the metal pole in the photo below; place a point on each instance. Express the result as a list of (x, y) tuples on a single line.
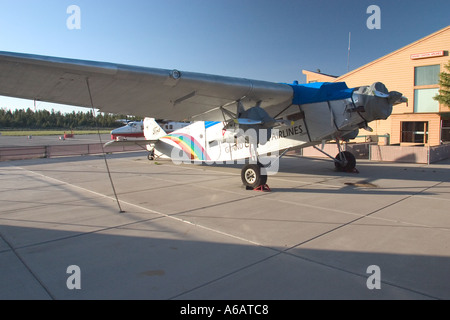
[(348, 56)]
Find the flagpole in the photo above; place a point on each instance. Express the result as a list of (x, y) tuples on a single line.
[(348, 56)]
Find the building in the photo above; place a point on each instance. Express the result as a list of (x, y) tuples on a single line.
[(414, 71), (317, 76)]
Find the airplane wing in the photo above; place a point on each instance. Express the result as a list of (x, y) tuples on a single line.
[(123, 89)]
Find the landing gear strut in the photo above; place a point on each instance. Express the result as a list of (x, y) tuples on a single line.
[(344, 161)]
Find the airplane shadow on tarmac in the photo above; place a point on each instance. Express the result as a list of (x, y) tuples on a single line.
[(129, 263), (217, 241)]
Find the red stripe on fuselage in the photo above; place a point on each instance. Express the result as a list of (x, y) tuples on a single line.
[(127, 135)]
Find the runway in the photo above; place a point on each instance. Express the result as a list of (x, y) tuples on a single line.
[(192, 232), (54, 140)]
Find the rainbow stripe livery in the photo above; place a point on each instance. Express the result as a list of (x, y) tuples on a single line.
[(189, 145)]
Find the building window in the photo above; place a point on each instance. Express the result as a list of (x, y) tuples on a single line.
[(424, 102), (414, 132), (445, 135), (426, 75), (426, 86)]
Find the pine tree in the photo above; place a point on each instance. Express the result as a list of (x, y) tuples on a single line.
[(444, 92)]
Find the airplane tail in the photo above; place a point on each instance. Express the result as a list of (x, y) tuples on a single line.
[(152, 130)]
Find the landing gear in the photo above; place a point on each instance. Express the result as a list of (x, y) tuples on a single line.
[(151, 155), (345, 161), (252, 177)]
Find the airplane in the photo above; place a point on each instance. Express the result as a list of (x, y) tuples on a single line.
[(135, 129), (170, 126), (132, 129), (233, 119)]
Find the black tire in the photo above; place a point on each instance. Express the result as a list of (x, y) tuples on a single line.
[(348, 165), (151, 156), (251, 176)]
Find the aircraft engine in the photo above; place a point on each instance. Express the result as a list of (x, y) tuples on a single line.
[(351, 135)]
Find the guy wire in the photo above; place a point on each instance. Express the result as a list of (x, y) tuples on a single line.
[(103, 149)]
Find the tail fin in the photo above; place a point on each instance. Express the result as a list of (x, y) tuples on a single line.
[(152, 130)]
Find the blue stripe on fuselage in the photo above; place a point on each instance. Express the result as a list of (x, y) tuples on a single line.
[(210, 123)]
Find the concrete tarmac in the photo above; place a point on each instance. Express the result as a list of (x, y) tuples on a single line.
[(192, 232)]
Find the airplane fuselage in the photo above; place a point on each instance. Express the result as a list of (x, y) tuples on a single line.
[(302, 125)]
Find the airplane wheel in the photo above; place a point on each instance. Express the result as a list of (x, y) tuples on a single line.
[(251, 176), (151, 156), (349, 163)]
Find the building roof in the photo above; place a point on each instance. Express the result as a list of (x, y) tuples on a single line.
[(318, 72), (340, 78)]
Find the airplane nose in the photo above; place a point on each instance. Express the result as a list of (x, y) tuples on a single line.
[(377, 101), (118, 130), (396, 97)]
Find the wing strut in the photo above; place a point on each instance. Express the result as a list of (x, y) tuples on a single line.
[(103, 150)]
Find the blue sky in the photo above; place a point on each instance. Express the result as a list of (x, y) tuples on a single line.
[(271, 40)]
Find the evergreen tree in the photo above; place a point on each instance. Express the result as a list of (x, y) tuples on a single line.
[(43, 119), (444, 92)]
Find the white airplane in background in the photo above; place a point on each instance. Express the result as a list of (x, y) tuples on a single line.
[(135, 129), (131, 129), (233, 118)]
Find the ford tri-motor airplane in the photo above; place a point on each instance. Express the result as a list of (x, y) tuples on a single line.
[(232, 118)]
